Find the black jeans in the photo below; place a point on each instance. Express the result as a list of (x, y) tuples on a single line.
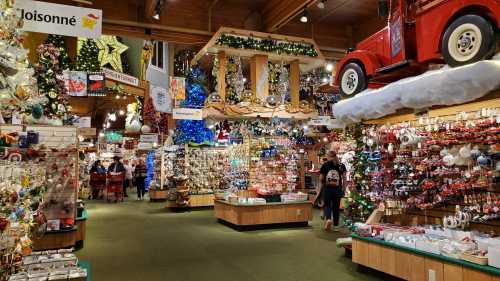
[(332, 197), (141, 189), (126, 184)]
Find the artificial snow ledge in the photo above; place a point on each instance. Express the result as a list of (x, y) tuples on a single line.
[(446, 86)]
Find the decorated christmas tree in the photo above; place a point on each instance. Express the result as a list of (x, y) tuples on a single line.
[(194, 130), (359, 205), (88, 56), (50, 82), (58, 42), (18, 92)]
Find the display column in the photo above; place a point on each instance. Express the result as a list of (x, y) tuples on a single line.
[(295, 83), (221, 75)]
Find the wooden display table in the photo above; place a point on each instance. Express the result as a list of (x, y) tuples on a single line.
[(195, 201), (415, 265), (63, 238), (270, 213)]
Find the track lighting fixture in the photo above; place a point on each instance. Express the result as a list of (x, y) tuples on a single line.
[(304, 18)]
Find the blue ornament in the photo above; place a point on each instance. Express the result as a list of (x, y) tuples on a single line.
[(37, 111)]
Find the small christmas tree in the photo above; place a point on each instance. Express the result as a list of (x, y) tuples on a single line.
[(88, 56), (58, 42)]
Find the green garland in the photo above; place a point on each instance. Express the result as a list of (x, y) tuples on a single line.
[(267, 45)]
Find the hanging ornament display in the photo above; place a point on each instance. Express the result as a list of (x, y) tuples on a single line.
[(235, 84), (110, 50), (283, 84)]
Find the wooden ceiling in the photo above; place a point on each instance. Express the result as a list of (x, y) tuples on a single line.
[(338, 26)]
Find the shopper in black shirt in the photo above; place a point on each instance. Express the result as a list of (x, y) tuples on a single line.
[(332, 178)]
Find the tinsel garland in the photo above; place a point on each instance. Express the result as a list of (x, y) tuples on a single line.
[(267, 45)]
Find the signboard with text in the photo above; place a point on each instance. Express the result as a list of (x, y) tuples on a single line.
[(187, 114), (120, 77), (60, 19)]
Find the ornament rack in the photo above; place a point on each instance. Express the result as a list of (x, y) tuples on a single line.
[(473, 111), (302, 54), (53, 139)]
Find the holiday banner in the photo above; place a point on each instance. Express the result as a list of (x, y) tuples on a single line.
[(178, 88), (76, 83), (162, 101), (60, 19), (96, 85)]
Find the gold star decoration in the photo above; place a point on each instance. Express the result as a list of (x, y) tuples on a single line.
[(110, 50)]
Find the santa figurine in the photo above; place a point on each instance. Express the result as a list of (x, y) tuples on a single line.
[(224, 131)]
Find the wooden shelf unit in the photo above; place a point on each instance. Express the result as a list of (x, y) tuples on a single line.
[(412, 265)]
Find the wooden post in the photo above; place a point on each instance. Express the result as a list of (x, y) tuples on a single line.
[(295, 83), (221, 75), (260, 76)]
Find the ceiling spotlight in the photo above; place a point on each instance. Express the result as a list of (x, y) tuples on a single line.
[(321, 4), (157, 12), (304, 18), (329, 67), (121, 112), (117, 97)]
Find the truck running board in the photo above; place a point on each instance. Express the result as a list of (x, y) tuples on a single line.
[(394, 66)]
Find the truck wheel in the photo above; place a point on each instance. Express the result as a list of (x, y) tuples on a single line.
[(468, 39), (352, 80)]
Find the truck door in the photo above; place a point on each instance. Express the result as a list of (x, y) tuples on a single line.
[(396, 30)]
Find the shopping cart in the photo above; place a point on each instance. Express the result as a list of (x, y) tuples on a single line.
[(115, 187), (97, 184)]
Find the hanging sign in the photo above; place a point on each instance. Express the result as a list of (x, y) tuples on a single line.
[(121, 77), (320, 121), (76, 83), (177, 87), (187, 114), (60, 19), (96, 85), (152, 138), (162, 101)]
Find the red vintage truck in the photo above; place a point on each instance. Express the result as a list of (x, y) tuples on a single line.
[(419, 32)]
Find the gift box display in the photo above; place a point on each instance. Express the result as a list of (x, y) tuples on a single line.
[(50, 265)]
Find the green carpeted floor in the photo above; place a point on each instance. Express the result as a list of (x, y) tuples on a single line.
[(142, 241)]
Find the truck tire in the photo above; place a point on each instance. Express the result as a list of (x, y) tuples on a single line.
[(352, 80), (468, 39)]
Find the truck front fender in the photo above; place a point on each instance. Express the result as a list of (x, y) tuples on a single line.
[(366, 59)]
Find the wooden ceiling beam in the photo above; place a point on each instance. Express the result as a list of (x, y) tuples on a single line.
[(277, 13)]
